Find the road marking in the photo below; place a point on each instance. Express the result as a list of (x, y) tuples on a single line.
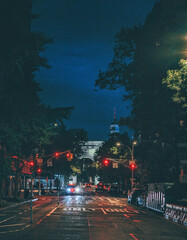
[(89, 228), (132, 235), (7, 219), (47, 215), (109, 210), (135, 211), (16, 230), (53, 210), (144, 212), (12, 225), (115, 225), (103, 211), (126, 210), (119, 210), (110, 200)]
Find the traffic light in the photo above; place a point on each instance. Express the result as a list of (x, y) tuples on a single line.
[(133, 166), (57, 155), (39, 170), (69, 156), (106, 162), (31, 163)]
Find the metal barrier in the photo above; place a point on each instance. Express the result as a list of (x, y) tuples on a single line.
[(176, 214)]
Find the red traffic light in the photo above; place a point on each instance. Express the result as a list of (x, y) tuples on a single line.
[(32, 163), (39, 170), (105, 162), (133, 166), (69, 156), (57, 154)]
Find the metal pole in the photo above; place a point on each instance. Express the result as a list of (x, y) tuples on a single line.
[(31, 186), (31, 220), (132, 178), (58, 199), (39, 186)]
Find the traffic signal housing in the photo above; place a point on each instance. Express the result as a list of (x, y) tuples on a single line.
[(32, 163), (57, 155), (133, 166), (69, 156), (105, 162)]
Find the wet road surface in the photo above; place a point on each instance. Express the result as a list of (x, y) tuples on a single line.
[(95, 217)]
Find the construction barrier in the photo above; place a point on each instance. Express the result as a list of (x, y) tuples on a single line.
[(176, 214)]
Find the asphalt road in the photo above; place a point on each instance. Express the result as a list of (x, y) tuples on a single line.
[(95, 217)]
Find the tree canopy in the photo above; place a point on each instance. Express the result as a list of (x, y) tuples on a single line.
[(142, 56)]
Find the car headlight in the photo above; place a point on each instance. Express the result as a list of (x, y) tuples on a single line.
[(68, 189), (77, 189)]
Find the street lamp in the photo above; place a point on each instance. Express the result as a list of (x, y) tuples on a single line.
[(132, 161)]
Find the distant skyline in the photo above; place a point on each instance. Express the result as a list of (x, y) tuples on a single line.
[(83, 32)]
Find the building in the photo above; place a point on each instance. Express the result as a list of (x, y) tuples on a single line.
[(89, 148)]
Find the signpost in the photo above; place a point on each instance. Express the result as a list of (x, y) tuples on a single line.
[(115, 165)]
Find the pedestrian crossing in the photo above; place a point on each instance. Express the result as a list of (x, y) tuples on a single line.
[(100, 201)]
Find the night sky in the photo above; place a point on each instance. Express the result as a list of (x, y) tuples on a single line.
[(83, 32)]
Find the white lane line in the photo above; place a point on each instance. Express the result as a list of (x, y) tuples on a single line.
[(103, 211), (7, 219), (12, 225)]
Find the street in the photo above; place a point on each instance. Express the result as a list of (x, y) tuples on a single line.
[(93, 217)]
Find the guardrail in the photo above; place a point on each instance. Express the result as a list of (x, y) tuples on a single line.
[(176, 214)]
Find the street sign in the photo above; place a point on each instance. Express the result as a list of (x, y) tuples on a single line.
[(115, 165), (49, 163), (131, 162), (39, 161)]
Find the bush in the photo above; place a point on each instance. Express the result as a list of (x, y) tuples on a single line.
[(3, 203)]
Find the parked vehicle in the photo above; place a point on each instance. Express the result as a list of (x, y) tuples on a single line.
[(100, 187), (114, 189), (141, 199), (132, 196)]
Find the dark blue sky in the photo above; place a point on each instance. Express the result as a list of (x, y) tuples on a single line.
[(83, 32)]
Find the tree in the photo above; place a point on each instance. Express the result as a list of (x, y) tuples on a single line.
[(142, 55), (25, 123), (176, 81), (110, 150)]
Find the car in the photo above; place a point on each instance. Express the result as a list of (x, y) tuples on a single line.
[(141, 199), (100, 187), (87, 189), (132, 196), (114, 189), (73, 189)]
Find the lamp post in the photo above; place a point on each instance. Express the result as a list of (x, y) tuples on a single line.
[(132, 161)]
